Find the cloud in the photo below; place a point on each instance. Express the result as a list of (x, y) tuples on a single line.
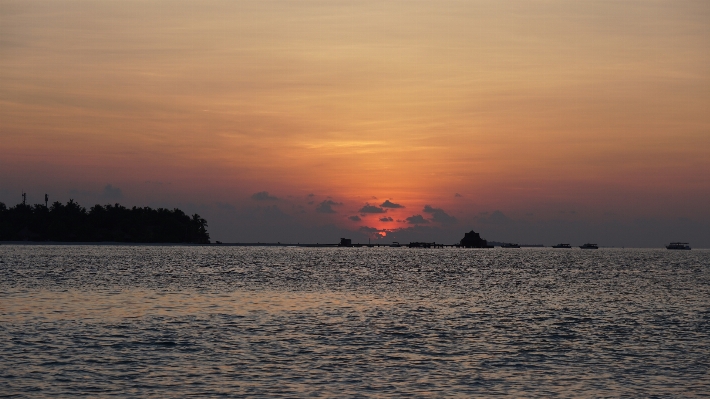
[(366, 229), (416, 219), (263, 196), (497, 217), (355, 218), (271, 224), (386, 219), (438, 215), (111, 193), (311, 195), (371, 209), (326, 206), (388, 204), (426, 233), (457, 195)]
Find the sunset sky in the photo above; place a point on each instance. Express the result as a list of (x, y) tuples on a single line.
[(529, 121)]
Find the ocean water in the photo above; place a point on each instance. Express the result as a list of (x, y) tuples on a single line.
[(171, 321)]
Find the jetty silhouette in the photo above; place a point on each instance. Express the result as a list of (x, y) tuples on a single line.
[(470, 240)]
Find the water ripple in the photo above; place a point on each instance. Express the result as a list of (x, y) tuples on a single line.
[(290, 322)]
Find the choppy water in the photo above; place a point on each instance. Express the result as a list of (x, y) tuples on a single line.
[(387, 322)]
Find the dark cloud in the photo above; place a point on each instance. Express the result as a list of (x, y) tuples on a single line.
[(388, 204), (438, 215), (111, 193), (372, 209), (326, 206), (386, 219), (271, 224), (311, 195), (416, 219), (427, 233), (355, 218), (457, 195), (263, 196), (497, 217), (366, 229)]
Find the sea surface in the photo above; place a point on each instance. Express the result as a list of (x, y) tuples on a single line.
[(177, 321)]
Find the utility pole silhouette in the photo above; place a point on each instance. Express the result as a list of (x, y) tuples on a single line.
[(24, 197), (46, 201)]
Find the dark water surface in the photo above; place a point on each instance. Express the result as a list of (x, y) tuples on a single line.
[(387, 322)]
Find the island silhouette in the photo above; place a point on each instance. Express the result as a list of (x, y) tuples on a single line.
[(71, 222), (473, 240)]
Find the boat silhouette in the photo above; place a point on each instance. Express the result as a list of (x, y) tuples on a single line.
[(678, 245), (510, 245)]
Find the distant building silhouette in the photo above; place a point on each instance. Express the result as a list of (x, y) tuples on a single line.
[(474, 240), (345, 242)]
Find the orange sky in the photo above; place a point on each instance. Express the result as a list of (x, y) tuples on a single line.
[(529, 107)]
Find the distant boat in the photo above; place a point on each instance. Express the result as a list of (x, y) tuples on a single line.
[(510, 245), (562, 246), (395, 245), (589, 246), (678, 245)]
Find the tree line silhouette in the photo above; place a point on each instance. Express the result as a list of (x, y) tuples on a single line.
[(71, 222)]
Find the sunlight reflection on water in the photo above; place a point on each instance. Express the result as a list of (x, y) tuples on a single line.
[(205, 321), (54, 306)]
